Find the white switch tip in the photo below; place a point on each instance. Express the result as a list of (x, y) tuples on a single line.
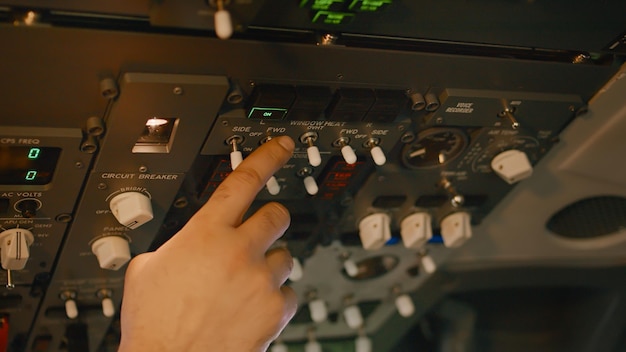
[(313, 153), (131, 209), (378, 155), (353, 317), (512, 166), (108, 308), (297, 272), (310, 185), (351, 268), (235, 159), (416, 230), (318, 310), (348, 154), (374, 231), (14, 251), (279, 347), (363, 344), (456, 229), (71, 310), (272, 186), (112, 252), (405, 305), (223, 24), (428, 264), (312, 346)]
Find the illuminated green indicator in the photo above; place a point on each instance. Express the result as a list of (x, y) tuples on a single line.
[(30, 175), (323, 4), (267, 113), (332, 17), (369, 5), (34, 153)]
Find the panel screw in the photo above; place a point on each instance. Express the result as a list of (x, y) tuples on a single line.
[(339, 76), (102, 186), (78, 165), (439, 120), (178, 90), (143, 169)]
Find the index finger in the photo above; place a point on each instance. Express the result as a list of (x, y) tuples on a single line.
[(234, 195)]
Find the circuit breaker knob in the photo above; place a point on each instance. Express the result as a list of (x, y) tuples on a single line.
[(352, 315), (405, 305), (375, 231), (310, 185), (363, 344), (131, 209), (348, 154), (512, 166), (416, 230), (112, 252), (456, 229), (378, 155), (14, 248), (318, 310)]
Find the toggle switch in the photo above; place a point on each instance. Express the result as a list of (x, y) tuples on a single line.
[(404, 305), (235, 154), (346, 150), (131, 209), (313, 153), (313, 346), (375, 231), (351, 268), (279, 347), (272, 186), (428, 264), (352, 315), (108, 307), (112, 252), (310, 185), (223, 21), (14, 248), (456, 229), (508, 114), (297, 272), (318, 310), (512, 166), (416, 230), (69, 298), (363, 344), (378, 155)]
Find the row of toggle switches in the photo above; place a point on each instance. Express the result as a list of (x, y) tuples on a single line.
[(71, 308)]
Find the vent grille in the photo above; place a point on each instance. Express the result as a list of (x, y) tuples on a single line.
[(590, 218)]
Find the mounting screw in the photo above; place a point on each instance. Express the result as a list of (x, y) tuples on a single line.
[(143, 169), (178, 90), (78, 165), (102, 186)]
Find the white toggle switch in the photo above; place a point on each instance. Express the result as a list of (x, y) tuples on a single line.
[(416, 230), (108, 308), (378, 155), (352, 315), (405, 305), (512, 166), (235, 159), (131, 209), (71, 310), (375, 231), (272, 186), (312, 346), (350, 267), (296, 271), (279, 347), (318, 310), (456, 229), (428, 264), (363, 344), (310, 185), (348, 154), (223, 24), (14, 248), (313, 153), (112, 252)]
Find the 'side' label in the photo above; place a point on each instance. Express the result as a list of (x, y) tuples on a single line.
[(461, 108)]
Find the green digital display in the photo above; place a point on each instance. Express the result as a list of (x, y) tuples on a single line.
[(328, 17), (27, 165), (369, 5)]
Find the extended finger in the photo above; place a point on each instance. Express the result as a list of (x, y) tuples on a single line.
[(265, 226), (235, 194), (280, 263)]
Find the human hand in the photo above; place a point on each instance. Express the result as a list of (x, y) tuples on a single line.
[(212, 286)]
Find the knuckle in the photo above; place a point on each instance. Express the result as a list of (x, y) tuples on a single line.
[(247, 176), (274, 216)]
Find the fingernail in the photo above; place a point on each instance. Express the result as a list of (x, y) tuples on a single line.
[(286, 142)]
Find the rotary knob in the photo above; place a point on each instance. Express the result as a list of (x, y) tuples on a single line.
[(112, 252), (131, 209)]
